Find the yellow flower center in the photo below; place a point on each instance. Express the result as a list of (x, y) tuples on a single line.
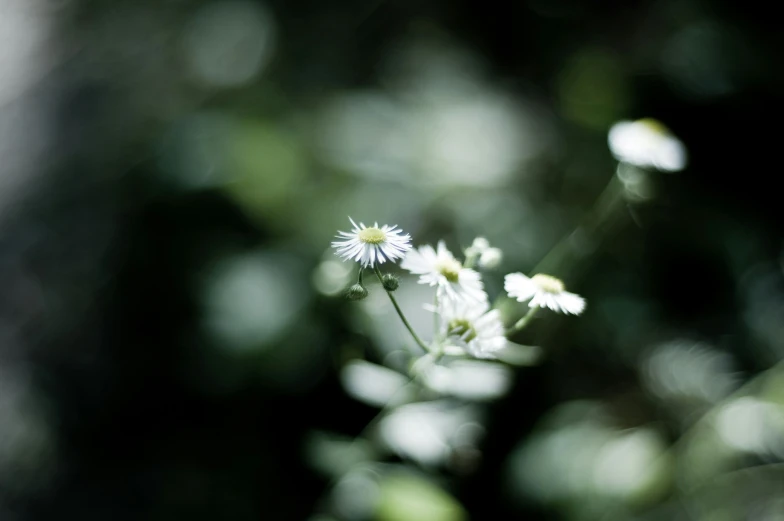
[(462, 328), (372, 236), (450, 269), (548, 283), (655, 125)]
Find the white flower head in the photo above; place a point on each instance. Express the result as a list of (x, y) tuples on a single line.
[(440, 268), (483, 254), (543, 291), (371, 245), (647, 143), (472, 327), (490, 258)]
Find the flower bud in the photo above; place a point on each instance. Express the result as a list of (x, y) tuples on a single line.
[(476, 249), (490, 258), (356, 292), (480, 244), (390, 282)]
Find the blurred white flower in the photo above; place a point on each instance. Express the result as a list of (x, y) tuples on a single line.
[(250, 299), (428, 432), (543, 291), (440, 268), (479, 138), (440, 123), (470, 379), (372, 245), (752, 425), (372, 384), (647, 143), (578, 456), (629, 463), (228, 44), (472, 327), (490, 258), (690, 373)]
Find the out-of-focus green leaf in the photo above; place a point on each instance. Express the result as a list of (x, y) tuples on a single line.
[(593, 89), (409, 498), (268, 167)]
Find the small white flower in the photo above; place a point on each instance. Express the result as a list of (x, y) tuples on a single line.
[(543, 291), (483, 254), (490, 258), (480, 244), (647, 143), (372, 245), (472, 327), (440, 268)]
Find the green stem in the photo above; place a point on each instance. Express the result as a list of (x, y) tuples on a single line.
[(678, 450), (523, 321), (436, 318), (400, 313), (421, 365), (590, 229), (470, 261), (606, 205)]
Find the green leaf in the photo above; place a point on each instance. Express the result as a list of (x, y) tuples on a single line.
[(409, 498)]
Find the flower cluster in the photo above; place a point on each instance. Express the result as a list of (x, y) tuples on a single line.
[(426, 412), (467, 325)]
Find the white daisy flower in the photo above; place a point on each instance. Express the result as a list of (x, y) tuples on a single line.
[(647, 143), (472, 327), (372, 245), (440, 268), (543, 291)]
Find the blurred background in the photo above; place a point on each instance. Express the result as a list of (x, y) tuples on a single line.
[(172, 335)]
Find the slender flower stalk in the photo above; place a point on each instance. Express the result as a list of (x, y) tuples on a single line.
[(520, 324), (598, 223), (473, 252), (590, 231), (436, 317), (418, 340)]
